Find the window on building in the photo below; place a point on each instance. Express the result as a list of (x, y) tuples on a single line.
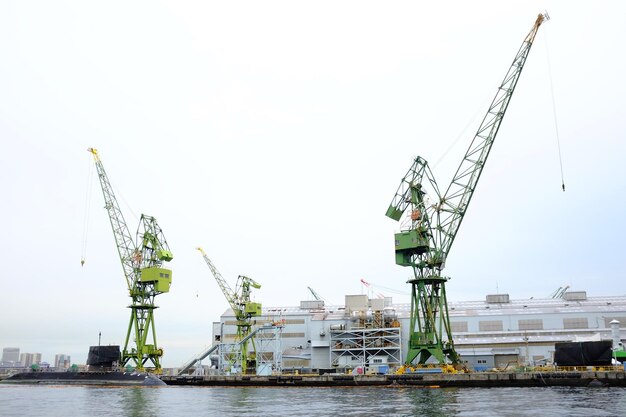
[(458, 326), (490, 326), (293, 334), (531, 324), (576, 323)]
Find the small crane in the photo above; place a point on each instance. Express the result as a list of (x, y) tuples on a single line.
[(142, 261), (559, 292), (315, 294), (244, 310), (431, 227)]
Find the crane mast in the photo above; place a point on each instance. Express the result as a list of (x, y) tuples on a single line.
[(142, 262), (425, 242), (244, 310)]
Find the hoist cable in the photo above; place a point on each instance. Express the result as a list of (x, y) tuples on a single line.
[(556, 125)]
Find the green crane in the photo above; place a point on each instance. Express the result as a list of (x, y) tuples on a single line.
[(431, 226), (142, 261), (315, 294), (244, 310)]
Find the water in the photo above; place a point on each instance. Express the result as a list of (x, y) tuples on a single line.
[(258, 402)]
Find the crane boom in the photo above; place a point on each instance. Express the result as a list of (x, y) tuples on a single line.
[(229, 294), (432, 226), (121, 233), (460, 191), (315, 294)]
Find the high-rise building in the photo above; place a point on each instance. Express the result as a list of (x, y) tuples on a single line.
[(36, 358), (62, 361), (28, 359), (11, 354)]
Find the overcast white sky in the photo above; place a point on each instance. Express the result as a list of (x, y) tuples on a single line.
[(274, 135)]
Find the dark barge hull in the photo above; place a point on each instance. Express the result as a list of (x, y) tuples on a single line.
[(471, 380), (84, 378)]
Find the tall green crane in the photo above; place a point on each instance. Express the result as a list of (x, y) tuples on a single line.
[(142, 261), (244, 310), (427, 235)]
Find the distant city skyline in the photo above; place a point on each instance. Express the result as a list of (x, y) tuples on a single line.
[(11, 356)]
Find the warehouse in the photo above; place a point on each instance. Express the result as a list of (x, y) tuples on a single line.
[(371, 334)]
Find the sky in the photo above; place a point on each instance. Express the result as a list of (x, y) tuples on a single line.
[(275, 134)]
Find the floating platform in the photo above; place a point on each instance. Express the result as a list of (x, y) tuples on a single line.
[(441, 380), (85, 378)]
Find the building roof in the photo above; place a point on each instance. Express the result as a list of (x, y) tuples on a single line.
[(535, 306)]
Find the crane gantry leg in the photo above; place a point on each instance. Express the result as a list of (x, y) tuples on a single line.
[(430, 334)]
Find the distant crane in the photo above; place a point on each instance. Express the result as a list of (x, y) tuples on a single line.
[(425, 242), (142, 261), (244, 310), (559, 292), (316, 295), (370, 287)]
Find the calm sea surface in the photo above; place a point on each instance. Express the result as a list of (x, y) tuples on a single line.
[(188, 402)]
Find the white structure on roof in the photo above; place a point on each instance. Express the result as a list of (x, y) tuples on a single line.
[(496, 332)]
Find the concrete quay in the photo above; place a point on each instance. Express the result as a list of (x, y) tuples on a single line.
[(460, 380)]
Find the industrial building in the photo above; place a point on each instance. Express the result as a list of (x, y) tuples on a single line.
[(372, 335)]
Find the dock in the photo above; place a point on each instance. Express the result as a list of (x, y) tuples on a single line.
[(441, 380)]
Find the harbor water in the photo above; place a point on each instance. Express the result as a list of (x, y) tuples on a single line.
[(373, 401)]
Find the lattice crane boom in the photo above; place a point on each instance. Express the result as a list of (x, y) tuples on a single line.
[(121, 233), (229, 294), (457, 197), (315, 294)]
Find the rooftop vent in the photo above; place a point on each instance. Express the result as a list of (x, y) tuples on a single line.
[(311, 304), (498, 299), (575, 295)]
